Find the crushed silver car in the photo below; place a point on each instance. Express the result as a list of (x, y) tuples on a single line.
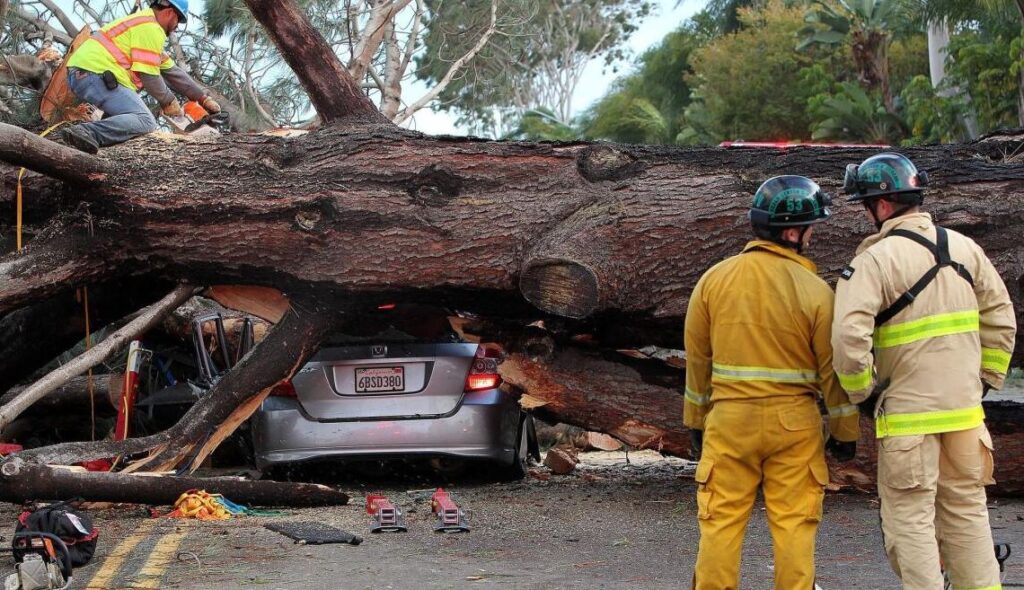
[(398, 383)]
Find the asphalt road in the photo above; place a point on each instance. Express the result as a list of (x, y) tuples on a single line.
[(611, 524)]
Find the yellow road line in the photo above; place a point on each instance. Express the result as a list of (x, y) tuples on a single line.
[(161, 556), (102, 579)]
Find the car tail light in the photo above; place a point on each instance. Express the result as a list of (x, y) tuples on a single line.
[(284, 389), (483, 374)]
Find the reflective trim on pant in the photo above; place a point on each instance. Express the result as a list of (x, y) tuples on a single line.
[(932, 326), (933, 504), (928, 422), (996, 360), (738, 373), (770, 443)]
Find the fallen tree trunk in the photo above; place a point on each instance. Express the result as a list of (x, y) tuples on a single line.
[(71, 395), (644, 409), (21, 482)]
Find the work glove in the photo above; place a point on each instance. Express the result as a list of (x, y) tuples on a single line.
[(843, 452), (172, 109), (867, 407), (211, 106), (696, 443), (985, 388)]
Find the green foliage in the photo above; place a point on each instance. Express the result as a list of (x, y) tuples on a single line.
[(542, 125), (931, 118), (985, 67), (851, 114), (534, 62), (747, 82), (647, 106)]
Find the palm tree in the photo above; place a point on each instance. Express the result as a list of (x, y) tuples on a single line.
[(956, 11), (867, 26)]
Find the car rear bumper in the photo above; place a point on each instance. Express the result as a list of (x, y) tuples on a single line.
[(485, 426)]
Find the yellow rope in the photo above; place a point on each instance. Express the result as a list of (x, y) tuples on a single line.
[(21, 173)]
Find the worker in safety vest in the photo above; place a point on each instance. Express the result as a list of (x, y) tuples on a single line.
[(122, 58), (923, 329), (757, 358)]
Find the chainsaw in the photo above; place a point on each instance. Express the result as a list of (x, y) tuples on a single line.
[(45, 564), (196, 121)]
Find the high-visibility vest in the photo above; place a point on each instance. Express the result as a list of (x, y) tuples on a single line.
[(126, 47)]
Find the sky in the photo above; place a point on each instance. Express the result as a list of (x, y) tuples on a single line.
[(595, 82)]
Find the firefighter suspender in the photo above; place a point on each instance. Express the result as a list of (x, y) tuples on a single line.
[(941, 252)]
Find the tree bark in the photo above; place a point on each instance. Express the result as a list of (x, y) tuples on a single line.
[(575, 229), (334, 94), (70, 396), (602, 395), (21, 482)]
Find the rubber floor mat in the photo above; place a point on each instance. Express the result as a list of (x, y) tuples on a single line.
[(313, 533)]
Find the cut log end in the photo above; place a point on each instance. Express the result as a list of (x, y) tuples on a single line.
[(564, 288)]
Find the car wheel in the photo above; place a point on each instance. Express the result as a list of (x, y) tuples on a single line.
[(521, 458)]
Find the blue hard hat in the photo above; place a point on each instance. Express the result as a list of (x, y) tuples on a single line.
[(179, 6)]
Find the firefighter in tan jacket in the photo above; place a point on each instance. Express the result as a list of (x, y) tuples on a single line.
[(923, 328), (758, 356)]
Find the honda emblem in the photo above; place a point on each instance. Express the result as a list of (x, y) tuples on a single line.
[(378, 350)]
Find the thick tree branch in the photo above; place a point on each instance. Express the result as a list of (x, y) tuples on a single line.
[(51, 264), (62, 18), (334, 93), (21, 481), (95, 355), (283, 351), (34, 20), (22, 148)]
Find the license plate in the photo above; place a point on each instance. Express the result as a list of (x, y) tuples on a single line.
[(378, 379)]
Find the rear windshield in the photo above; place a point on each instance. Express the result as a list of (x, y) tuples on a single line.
[(404, 323)]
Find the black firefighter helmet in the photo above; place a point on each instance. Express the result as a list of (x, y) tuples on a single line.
[(788, 201), (888, 175)]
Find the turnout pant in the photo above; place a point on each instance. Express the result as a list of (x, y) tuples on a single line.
[(775, 444), (934, 507)]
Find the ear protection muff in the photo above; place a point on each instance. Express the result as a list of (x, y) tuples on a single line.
[(850, 180), (922, 179)]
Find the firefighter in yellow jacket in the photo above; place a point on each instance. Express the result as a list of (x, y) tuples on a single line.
[(758, 356), (924, 322)]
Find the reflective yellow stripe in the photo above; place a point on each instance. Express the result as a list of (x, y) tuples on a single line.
[(855, 381), (697, 399), (737, 373), (996, 587), (928, 422), (841, 411), (931, 326), (996, 360)]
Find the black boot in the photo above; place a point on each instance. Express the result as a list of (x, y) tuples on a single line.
[(81, 139)]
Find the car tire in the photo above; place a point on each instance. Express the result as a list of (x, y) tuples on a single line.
[(524, 451)]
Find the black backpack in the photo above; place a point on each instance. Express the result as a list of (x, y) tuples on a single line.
[(73, 527)]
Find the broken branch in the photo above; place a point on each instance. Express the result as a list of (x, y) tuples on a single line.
[(22, 148), (21, 481), (94, 356)]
